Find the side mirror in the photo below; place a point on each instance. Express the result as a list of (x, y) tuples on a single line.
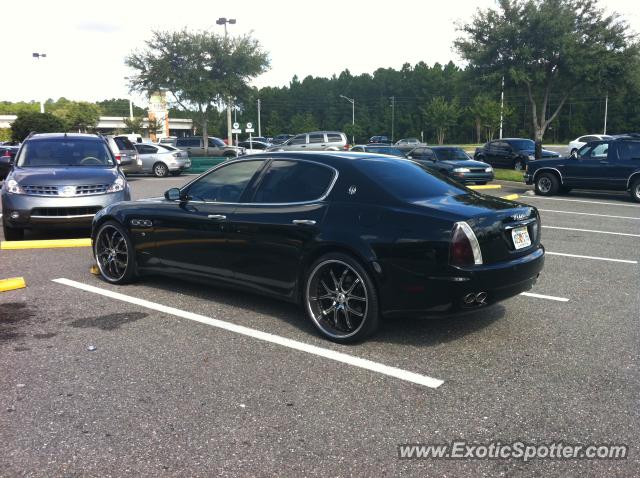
[(173, 194)]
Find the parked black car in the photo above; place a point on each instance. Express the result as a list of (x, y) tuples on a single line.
[(350, 237), (379, 140), (7, 156), (378, 149), (610, 165), (60, 180), (452, 161), (510, 153)]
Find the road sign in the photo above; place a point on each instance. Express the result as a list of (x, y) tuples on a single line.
[(236, 131), (249, 125), (236, 125), (249, 130)]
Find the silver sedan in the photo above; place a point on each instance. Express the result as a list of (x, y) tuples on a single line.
[(162, 159)]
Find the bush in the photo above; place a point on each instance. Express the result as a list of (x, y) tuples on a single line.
[(5, 134), (28, 122)]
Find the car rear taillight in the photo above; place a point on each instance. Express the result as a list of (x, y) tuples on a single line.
[(118, 158), (6, 154), (464, 249), (347, 147), (176, 155)]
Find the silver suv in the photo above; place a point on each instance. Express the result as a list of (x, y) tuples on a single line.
[(125, 154), (193, 145), (314, 141)]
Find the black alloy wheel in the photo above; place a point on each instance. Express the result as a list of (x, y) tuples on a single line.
[(114, 253), (341, 299)]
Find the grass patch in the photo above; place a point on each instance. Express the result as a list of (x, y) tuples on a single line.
[(509, 175)]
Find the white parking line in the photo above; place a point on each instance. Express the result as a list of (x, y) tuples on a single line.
[(264, 336), (580, 200), (590, 257), (590, 214), (548, 297), (592, 230)]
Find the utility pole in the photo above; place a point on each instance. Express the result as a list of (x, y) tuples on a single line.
[(606, 111), (393, 115), (353, 115), (501, 105), (224, 21), (37, 56), (259, 128)]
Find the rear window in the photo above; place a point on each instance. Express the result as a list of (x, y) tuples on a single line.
[(406, 180), (124, 143), (188, 142), (65, 152)]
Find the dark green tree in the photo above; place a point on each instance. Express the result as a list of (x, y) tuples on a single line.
[(200, 69), (442, 115), (550, 47), (134, 125), (30, 121)]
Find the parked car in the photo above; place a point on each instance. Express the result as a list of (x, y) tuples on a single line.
[(280, 138), (510, 153), (578, 143), (452, 161), (379, 139), (161, 161), (7, 156), (60, 180), (262, 139), (125, 154), (608, 165), (314, 141), (193, 145), (408, 144), (378, 149), (252, 147), (351, 238), (168, 140)]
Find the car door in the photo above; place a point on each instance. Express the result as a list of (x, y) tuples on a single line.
[(296, 143), (624, 161), (591, 169), (491, 153), (317, 142), (147, 154), (191, 145), (284, 216), (191, 234)]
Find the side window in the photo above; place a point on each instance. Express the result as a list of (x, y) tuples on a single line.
[(188, 142), (146, 149), (334, 138), (428, 154), (294, 181), (300, 139), (596, 152), (316, 138), (629, 150), (225, 184)]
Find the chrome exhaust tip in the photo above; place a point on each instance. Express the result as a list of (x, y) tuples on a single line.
[(481, 297), (469, 298)]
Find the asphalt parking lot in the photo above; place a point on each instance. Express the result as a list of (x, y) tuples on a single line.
[(175, 388)]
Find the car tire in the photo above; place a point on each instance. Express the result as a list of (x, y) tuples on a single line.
[(547, 184), (160, 170), (340, 298), (635, 190), (518, 165), (12, 233), (112, 248)]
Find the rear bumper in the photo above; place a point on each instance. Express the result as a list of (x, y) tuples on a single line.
[(179, 164), (444, 295), (44, 212)]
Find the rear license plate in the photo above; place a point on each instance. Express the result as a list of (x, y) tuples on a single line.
[(521, 237)]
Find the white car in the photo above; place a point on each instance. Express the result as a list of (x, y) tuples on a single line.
[(578, 143), (162, 159)]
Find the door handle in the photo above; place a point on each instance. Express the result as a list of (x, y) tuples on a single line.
[(304, 222), (217, 217)]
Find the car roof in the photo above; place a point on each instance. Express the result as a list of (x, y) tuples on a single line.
[(45, 136), (444, 147)]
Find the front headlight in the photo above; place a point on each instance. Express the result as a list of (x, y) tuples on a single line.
[(118, 185), (14, 188), (461, 170), (488, 170)]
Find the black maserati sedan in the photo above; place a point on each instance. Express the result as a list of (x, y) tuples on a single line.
[(350, 237)]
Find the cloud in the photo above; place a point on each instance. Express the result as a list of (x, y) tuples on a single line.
[(94, 26)]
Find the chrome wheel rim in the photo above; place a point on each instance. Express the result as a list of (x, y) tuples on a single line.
[(337, 299), (637, 191), (517, 166), (160, 170), (544, 185), (112, 253)]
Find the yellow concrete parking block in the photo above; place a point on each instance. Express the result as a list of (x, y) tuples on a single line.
[(511, 197), (45, 244), (486, 186), (12, 284), (94, 270)]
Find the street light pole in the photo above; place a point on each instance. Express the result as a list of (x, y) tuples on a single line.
[(130, 103), (353, 115), (37, 56), (224, 21), (393, 115)]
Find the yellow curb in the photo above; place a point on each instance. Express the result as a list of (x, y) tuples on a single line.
[(45, 244), (12, 283), (511, 197), (94, 270), (486, 186)]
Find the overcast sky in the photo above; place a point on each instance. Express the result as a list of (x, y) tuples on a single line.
[(86, 41)]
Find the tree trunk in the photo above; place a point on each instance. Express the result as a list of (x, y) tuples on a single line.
[(539, 135), (479, 129)]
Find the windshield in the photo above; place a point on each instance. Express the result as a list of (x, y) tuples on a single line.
[(407, 180), (64, 152), (451, 154), (523, 144)]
